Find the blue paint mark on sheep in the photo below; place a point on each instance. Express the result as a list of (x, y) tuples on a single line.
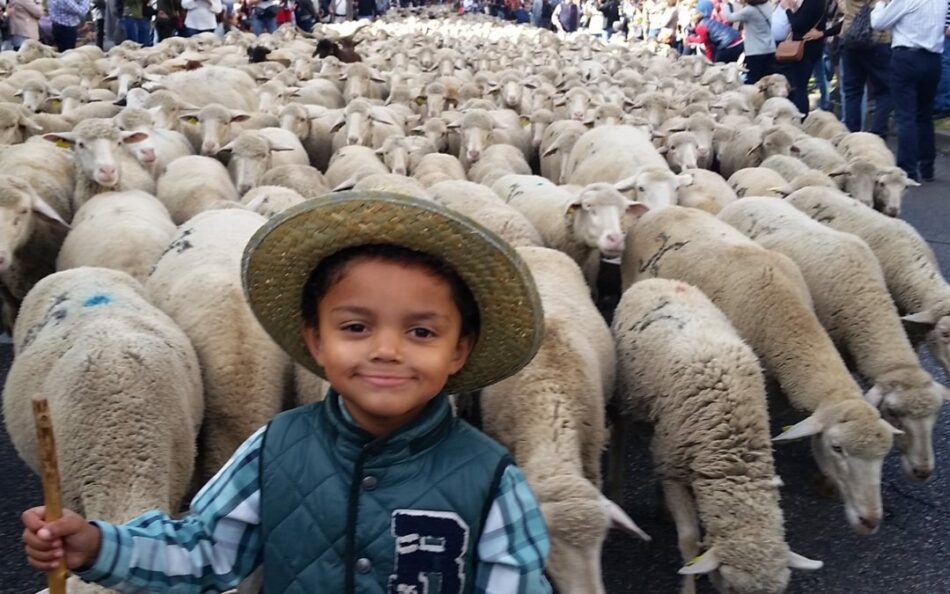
[(98, 299)]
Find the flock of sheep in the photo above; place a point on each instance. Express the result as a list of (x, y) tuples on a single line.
[(749, 243)]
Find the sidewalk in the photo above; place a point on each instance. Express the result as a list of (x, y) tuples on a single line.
[(942, 129)]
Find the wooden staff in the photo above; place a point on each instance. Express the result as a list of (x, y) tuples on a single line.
[(52, 495)]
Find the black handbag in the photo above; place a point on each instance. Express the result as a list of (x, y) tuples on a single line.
[(268, 13), (858, 35)]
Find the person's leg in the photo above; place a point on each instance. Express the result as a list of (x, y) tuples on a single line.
[(943, 91), (100, 32), (129, 26), (904, 95), (852, 85), (756, 68), (926, 92), (821, 79), (257, 26), (798, 74), (270, 24), (878, 69)]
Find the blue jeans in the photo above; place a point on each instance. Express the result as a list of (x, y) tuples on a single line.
[(64, 36), (862, 66), (943, 91), (261, 24), (914, 76), (138, 30), (821, 79)]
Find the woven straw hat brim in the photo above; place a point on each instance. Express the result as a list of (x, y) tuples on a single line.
[(281, 255)]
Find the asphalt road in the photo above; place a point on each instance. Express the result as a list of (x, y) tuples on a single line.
[(909, 555)]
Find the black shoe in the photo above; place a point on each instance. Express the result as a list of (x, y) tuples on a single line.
[(926, 178)]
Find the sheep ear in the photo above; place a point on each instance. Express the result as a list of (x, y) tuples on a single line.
[(626, 184), (345, 185), (129, 137), (226, 149), (807, 428), (637, 209), (28, 123), (705, 563), (41, 207), (796, 561), (777, 482), (257, 202), (620, 519), (783, 190), (61, 139), (874, 396), (925, 318), (842, 170), (277, 148), (662, 150), (550, 151), (753, 149), (338, 124), (684, 179)]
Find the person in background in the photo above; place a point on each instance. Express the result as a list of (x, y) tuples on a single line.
[(863, 65), (756, 19), (166, 19), (200, 16), (66, 16), (566, 16), (134, 22), (365, 10), (719, 41), (23, 17), (263, 15), (942, 106), (306, 14), (97, 11), (611, 11), (918, 29), (806, 19)]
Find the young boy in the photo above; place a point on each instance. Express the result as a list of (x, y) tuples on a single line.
[(396, 302)]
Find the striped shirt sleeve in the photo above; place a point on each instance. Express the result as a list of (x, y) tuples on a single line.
[(514, 542), (212, 548)]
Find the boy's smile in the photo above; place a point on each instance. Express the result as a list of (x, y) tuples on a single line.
[(388, 337)]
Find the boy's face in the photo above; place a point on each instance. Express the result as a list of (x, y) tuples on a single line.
[(388, 337)]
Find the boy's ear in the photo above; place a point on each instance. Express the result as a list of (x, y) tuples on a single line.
[(462, 350), (311, 336)]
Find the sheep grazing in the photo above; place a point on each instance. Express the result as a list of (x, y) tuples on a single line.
[(193, 184), (683, 368), (31, 234), (246, 375), (852, 303), (891, 181), (303, 179), (124, 392), (253, 152), (102, 166), (910, 268), (125, 231), (554, 428), (765, 297)]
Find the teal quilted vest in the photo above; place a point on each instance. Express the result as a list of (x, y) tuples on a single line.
[(343, 512)]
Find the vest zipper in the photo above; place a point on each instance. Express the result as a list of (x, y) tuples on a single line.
[(353, 506)]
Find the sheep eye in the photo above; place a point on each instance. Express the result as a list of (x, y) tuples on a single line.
[(81, 144), (837, 449)]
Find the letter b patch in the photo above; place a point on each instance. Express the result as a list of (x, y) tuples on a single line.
[(430, 552)]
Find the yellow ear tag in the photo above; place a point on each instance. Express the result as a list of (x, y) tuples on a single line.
[(525, 121), (192, 120), (694, 560), (420, 100), (63, 144), (785, 428), (57, 103)]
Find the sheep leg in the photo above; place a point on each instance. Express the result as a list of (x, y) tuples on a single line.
[(616, 459), (681, 506)]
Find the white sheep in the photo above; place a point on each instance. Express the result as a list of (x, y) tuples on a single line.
[(303, 179), (497, 161), (390, 182), (31, 234), (556, 145), (246, 375), (254, 152), (159, 147), (765, 297), (824, 124), (16, 124), (550, 416), (587, 225), (683, 368), (436, 167), (101, 164), (708, 191), (857, 177), (852, 303), (910, 268), (312, 126), (192, 184), (352, 163), (891, 181), (124, 392), (485, 207), (125, 231), (49, 169), (757, 181), (751, 145), (267, 201)]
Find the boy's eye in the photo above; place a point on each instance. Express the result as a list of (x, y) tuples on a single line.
[(422, 333), (355, 327)]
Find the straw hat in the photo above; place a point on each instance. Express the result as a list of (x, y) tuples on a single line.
[(279, 258)]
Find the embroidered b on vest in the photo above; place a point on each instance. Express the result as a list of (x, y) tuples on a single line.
[(430, 552)]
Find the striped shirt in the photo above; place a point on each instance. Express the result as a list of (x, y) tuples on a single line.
[(68, 12), (219, 542), (913, 23)]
